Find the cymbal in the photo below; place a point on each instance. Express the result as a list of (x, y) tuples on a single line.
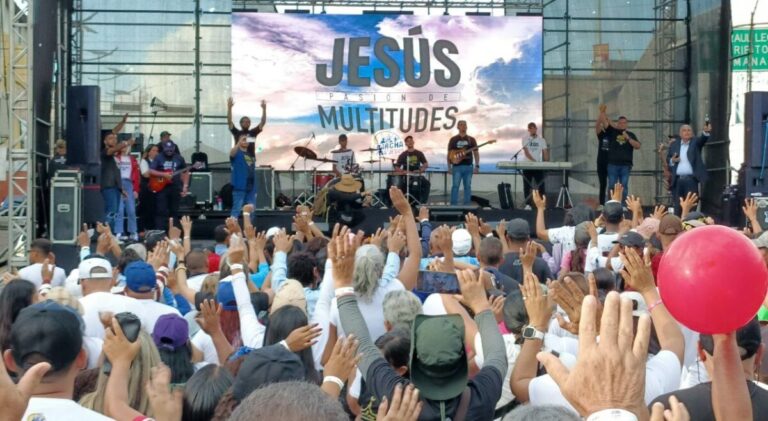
[(305, 152), (371, 161), (369, 150), (323, 160)]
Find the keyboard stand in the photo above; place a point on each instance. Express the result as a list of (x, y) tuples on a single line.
[(564, 195)]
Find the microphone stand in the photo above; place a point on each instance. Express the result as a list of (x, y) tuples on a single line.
[(517, 170)]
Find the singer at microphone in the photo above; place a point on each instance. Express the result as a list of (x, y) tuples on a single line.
[(535, 150)]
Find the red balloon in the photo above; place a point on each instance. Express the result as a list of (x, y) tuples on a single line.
[(712, 279)]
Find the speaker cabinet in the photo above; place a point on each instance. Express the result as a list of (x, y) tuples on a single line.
[(755, 116), (265, 188), (84, 128), (201, 186), (65, 207)]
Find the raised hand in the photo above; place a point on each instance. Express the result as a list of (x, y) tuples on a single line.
[(186, 225), (539, 200), (14, 398), (569, 297), (617, 192), (209, 317), (423, 213), (405, 405), (473, 291), (83, 239), (497, 307), (528, 256), (473, 224), (303, 337), (396, 242), (341, 251), (230, 103), (283, 242), (634, 204), (399, 201), (609, 374), (377, 238), (117, 347), (536, 304), (659, 211), (166, 404), (46, 270), (636, 272), (344, 358), (236, 249), (233, 227), (750, 209), (501, 229), (689, 202), (174, 233), (677, 411)]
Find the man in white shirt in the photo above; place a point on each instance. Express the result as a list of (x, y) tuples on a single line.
[(39, 250), (49, 332), (95, 278), (141, 284), (536, 150), (345, 158)]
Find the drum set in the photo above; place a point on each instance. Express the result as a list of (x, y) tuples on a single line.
[(415, 186)]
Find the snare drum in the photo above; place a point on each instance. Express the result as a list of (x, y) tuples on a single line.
[(396, 180), (322, 179)]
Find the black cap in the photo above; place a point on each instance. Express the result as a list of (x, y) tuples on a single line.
[(631, 239), (747, 338), (48, 330), (164, 132), (270, 364), (613, 211), (518, 229)]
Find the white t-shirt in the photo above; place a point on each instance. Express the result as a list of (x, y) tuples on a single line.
[(605, 241), (143, 166), (662, 375), (372, 310), (204, 343), (124, 164), (93, 348), (103, 301), (150, 311), (33, 274), (196, 282), (343, 159), (513, 350), (51, 409), (563, 235), (536, 146)]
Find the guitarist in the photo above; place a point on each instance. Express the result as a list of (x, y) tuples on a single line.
[(165, 164), (462, 172)]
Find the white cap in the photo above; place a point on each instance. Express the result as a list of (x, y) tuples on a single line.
[(272, 231), (85, 270), (462, 242)]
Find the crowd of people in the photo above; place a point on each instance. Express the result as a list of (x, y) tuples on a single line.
[(413, 321)]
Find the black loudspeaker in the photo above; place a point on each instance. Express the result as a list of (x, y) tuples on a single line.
[(65, 207), (265, 188), (755, 116), (201, 186), (93, 204), (83, 128)]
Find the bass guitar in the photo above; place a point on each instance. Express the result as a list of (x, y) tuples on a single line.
[(157, 184), (457, 155)]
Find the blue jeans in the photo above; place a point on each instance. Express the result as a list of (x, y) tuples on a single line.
[(127, 210), (620, 174), (240, 198), (111, 197), (462, 174)]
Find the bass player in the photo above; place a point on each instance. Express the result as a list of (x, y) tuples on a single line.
[(165, 164), (463, 170)]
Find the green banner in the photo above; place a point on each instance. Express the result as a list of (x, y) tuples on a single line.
[(740, 41)]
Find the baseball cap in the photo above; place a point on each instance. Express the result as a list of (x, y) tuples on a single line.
[(165, 132), (648, 227), (225, 295), (631, 239), (169, 146), (272, 231), (462, 242), (518, 229), (102, 267), (270, 364), (762, 241), (692, 223), (291, 293), (748, 339), (140, 277), (613, 211), (438, 361), (670, 225), (171, 332), (694, 215), (140, 249), (49, 331)]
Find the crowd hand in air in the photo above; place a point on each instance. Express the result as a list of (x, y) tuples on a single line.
[(396, 242), (539, 200), (659, 211), (341, 251), (344, 358), (48, 267), (174, 233), (399, 201), (536, 302), (609, 374), (283, 242), (528, 256), (569, 296), (677, 411), (635, 205), (166, 404), (14, 398), (83, 239), (690, 201), (444, 241), (423, 214), (405, 405), (617, 192), (233, 227), (472, 225), (377, 238)]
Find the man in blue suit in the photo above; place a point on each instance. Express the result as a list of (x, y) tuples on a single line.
[(686, 164)]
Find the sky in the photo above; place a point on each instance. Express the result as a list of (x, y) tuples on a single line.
[(499, 92)]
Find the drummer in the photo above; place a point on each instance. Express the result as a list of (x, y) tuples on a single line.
[(345, 158), (411, 160)]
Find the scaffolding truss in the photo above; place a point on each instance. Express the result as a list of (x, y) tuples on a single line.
[(17, 23)]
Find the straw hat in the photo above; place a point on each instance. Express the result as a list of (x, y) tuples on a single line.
[(348, 184)]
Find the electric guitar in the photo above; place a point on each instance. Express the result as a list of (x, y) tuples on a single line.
[(157, 184), (457, 155)]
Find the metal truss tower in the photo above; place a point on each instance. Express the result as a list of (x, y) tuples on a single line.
[(17, 22), (665, 52)]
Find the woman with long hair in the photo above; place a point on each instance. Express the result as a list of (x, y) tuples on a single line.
[(146, 208), (17, 294), (281, 323), (141, 368), (203, 392), (575, 260)]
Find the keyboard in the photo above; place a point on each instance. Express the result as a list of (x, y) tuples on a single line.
[(533, 165)]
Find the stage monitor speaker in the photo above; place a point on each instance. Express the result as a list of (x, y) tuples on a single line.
[(755, 182), (755, 117), (201, 186), (265, 188), (84, 128), (65, 207), (93, 204), (450, 213)]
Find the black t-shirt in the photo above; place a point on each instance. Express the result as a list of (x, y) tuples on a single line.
[(110, 173), (463, 142), (619, 149), (502, 281), (411, 161), (485, 391), (252, 132), (698, 401), (513, 267)]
